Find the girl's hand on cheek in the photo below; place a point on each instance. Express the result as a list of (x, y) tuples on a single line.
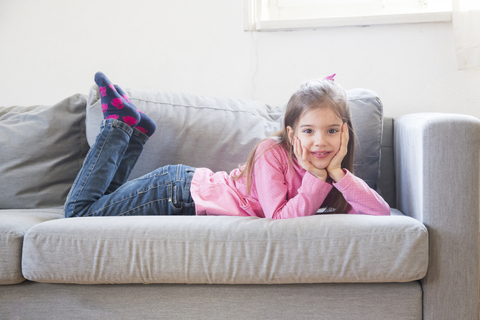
[(302, 157), (334, 168)]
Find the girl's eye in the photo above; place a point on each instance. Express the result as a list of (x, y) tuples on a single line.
[(332, 131), (308, 131)]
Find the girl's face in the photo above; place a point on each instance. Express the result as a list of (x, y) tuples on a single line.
[(319, 131)]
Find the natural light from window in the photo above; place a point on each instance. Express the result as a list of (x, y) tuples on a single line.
[(272, 15)]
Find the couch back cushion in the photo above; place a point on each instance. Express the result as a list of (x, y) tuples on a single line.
[(219, 133), (42, 150)]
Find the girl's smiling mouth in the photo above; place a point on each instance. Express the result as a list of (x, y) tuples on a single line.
[(321, 154)]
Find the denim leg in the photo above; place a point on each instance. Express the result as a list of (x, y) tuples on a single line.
[(99, 167), (165, 191), (134, 149)]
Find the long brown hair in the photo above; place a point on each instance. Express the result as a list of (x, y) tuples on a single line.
[(314, 94)]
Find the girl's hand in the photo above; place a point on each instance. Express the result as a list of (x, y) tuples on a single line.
[(334, 168), (302, 156)]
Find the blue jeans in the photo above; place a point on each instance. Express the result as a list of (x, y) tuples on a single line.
[(100, 188)]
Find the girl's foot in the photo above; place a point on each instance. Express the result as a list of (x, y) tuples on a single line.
[(113, 104), (145, 125)]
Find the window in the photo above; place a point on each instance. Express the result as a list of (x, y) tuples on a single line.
[(271, 15)]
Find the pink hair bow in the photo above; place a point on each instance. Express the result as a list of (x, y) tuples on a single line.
[(330, 77)]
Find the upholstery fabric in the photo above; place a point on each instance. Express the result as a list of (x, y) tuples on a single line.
[(219, 133), (377, 301), (386, 180), (13, 225), (437, 157), (367, 118), (43, 148), (226, 250)]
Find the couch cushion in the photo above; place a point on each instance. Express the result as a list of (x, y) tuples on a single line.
[(367, 117), (219, 133), (228, 250), (43, 148), (13, 225)]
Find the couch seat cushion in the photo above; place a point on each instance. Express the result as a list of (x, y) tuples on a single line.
[(13, 225), (227, 250)]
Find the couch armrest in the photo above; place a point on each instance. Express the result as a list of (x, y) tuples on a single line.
[(437, 182)]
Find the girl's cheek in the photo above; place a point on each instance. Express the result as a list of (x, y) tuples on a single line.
[(305, 143), (339, 143)]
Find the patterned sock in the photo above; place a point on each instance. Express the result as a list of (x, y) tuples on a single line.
[(113, 104), (145, 125)]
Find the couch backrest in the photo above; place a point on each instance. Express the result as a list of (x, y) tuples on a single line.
[(386, 180), (219, 133), (43, 146)]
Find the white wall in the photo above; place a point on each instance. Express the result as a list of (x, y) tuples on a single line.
[(51, 49)]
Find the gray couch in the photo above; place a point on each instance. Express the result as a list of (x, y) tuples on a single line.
[(422, 261)]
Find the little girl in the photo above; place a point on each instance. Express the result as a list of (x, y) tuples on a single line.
[(305, 166)]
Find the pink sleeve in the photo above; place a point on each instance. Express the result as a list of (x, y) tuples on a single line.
[(271, 176), (361, 198)]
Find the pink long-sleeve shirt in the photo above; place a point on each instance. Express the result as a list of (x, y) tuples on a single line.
[(279, 190)]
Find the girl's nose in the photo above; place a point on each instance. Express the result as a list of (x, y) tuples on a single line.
[(319, 140)]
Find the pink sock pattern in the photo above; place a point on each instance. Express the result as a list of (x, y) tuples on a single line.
[(114, 106), (145, 124)]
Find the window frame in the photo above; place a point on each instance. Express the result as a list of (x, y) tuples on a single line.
[(257, 18)]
